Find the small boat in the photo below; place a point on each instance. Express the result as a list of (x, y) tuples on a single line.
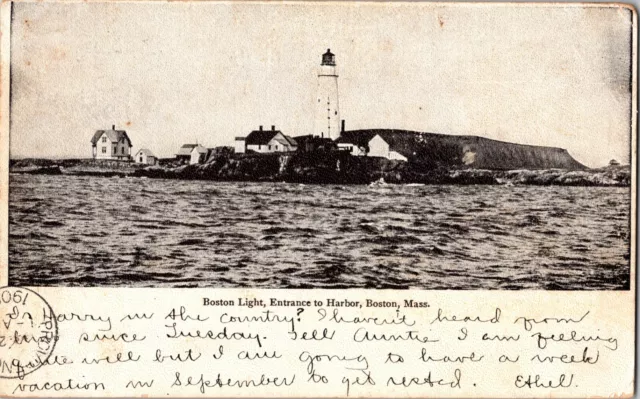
[(379, 183)]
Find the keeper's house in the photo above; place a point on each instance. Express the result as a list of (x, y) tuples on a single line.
[(265, 141), (111, 144)]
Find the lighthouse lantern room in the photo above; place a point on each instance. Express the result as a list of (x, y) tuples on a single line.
[(327, 120)]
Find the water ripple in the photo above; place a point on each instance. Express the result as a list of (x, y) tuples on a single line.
[(86, 231)]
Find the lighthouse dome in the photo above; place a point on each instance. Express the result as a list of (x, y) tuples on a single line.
[(328, 58)]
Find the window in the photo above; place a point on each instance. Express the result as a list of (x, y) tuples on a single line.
[(140, 158), (121, 150), (259, 146), (115, 149), (276, 148), (269, 147), (104, 139), (104, 150)]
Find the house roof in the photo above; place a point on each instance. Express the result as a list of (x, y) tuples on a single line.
[(113, 135), (261, 137), (186, 149), (291, 141), (283, 141), (145, 152)]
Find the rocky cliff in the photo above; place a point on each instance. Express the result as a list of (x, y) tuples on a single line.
[(329, 168), (336, 168)]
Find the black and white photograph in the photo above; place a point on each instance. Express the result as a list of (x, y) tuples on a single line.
[(321, 146)]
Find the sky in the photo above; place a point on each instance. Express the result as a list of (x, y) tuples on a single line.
[(171, 73)]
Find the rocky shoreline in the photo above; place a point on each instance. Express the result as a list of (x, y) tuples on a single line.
[(325, 168)]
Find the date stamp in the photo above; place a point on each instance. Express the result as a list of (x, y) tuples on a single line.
[(28, 332)]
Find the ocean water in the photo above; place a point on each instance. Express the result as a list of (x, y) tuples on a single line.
[(93, 231)]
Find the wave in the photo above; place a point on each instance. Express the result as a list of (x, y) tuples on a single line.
[(447, 237)]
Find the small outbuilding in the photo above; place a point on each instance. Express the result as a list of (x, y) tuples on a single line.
[(199, 154), (145, 156), (240, 146), (384, 144), (184, 154)]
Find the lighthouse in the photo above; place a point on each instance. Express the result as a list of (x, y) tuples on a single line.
[(327, 121)]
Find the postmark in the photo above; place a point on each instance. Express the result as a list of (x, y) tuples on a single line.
[(28, 332)]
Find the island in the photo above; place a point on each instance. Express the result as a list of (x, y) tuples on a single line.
[(411, 158)]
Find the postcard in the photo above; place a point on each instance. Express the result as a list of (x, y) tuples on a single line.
[(317, 199)]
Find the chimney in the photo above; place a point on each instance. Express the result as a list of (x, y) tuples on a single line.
[(342, 127), (260, 127), (113, 127), (273, 128)]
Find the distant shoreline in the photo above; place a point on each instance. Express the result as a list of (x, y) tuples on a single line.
[(326, 168)]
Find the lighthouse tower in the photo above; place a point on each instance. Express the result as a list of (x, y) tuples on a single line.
[(327, 121)]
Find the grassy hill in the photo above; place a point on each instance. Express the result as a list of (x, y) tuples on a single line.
[(432, 150)]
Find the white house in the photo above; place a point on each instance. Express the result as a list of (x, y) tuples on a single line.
[(266, 141), (385, 144), (144, 156), (111, 144), (378, 147), (198, 154)]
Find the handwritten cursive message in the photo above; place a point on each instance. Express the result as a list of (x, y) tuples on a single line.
[(332, 343)]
